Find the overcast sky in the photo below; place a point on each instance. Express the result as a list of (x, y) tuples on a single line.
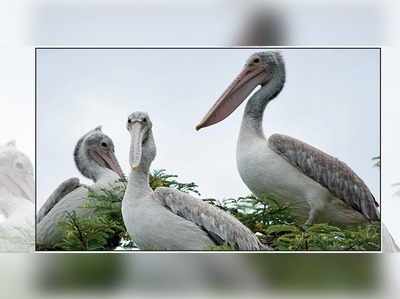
[(330, 100), (390, 139), (207, 22), (17, 104)]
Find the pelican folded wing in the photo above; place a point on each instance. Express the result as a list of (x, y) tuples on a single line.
[(328, 171), (216, 222)]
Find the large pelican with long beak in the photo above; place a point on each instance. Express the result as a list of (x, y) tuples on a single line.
[(168, 219), (317, 186), (95, 158)]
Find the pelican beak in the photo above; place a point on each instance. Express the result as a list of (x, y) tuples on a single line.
[(248, 79), (108, 159), (136, 129), (19, 185), (27, 184)]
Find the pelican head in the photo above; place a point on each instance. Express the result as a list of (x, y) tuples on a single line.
[(95, 151), (16, 172), (263, 68), (143, 150)]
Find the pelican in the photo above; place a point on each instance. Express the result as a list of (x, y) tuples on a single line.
[(95, 159), (318, 187), (16, 200), (168, 219), (16, 173)]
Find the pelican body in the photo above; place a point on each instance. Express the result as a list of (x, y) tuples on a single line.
[(168, 219), (95, 159), (317, 187)]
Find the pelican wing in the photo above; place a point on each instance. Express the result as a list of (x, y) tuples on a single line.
[(328, 171), (62, 190), (220, 226)]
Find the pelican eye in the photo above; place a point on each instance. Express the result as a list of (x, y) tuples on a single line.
[(104, 144), (144, 120), (256, 60), (129, 120)]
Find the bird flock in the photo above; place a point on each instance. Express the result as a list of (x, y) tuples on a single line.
[(321, 188)]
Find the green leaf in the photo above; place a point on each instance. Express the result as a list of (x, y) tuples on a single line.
[(281, 228)]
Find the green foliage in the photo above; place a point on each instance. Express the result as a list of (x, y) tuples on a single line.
[(159, 178), (377, 160), (106, 230), (224, 247), (258, 214), (273, 222), (277, 228), (87, 233), (323, 237)]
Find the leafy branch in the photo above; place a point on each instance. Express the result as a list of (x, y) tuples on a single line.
[(273, 222), (377, 160), (105, 230), (275, 226), (159, 178)]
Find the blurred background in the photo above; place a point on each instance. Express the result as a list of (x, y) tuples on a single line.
[(202, 23), (199, 275), (25, 24), (198, 23)]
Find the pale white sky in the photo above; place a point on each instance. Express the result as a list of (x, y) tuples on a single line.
[(390, 139), (17, 113), (206, 22), (331, 100)]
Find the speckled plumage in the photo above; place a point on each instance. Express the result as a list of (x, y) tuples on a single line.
[(328, 171)]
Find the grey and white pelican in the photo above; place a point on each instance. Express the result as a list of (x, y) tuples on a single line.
[(317, 186), (16, 173), (168, 219), (17, 210), (95, 159)]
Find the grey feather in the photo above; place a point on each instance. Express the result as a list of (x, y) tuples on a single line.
[(216, 222), (328, 171), (82, 166), (62, 190)]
